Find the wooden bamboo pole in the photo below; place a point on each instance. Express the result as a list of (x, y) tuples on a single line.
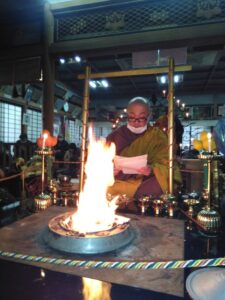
[(171, 124), (138, 72), (84, 124)]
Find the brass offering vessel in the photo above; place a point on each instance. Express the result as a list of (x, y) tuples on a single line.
[(209, 219), (42, 202), (191, 202)]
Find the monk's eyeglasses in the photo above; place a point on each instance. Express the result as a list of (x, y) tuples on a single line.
[(139, 120)]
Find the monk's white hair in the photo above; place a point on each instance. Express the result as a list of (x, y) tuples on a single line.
[(139, 100)]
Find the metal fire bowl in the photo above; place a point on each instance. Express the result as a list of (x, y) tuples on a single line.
[(69, 241)]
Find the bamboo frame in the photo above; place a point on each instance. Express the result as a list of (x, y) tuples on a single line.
[(160, 70), (138, 72), (171, 125), (84, 124)]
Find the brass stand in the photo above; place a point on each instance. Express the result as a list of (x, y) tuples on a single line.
[(53, 188), (42, 201), (209, 218), (169, 204)]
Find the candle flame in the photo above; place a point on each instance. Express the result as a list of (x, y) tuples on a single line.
[(45, 136)]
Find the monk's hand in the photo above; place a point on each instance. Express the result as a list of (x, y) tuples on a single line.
[(146, 171), (116, 171)]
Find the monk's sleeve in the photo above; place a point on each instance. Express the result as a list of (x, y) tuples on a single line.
[(154, 143)]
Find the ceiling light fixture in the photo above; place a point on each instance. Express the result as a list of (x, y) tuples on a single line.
[(77, 58), (99, 83), (62, 60), (92, 84), (176, 78), (163, 79), (104, 83)]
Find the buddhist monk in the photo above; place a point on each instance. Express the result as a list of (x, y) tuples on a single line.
[(136, 138)]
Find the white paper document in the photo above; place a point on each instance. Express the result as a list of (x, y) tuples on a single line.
[(130, 165)]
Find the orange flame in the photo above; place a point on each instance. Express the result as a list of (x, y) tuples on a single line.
[(94, 212), (95, 289)]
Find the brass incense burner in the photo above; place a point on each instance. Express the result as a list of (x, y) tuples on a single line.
[(42, 202), (209, 219)]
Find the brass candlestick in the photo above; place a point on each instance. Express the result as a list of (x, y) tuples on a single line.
[(43, 201), (209, 218), (169, 203), (143, 203), (157, 206)]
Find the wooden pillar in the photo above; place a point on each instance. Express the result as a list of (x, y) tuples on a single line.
[(48, 71)]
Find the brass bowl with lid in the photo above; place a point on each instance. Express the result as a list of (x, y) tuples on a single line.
[(209, 219)]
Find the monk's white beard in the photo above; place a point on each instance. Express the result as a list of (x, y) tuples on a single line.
[(137, 130)]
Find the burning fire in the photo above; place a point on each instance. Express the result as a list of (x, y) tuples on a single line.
[(94, 212), (95, 289)]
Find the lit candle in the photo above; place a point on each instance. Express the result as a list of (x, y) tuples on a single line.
[(45, 136), (209, 135), (170, 211), (156, 210)]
